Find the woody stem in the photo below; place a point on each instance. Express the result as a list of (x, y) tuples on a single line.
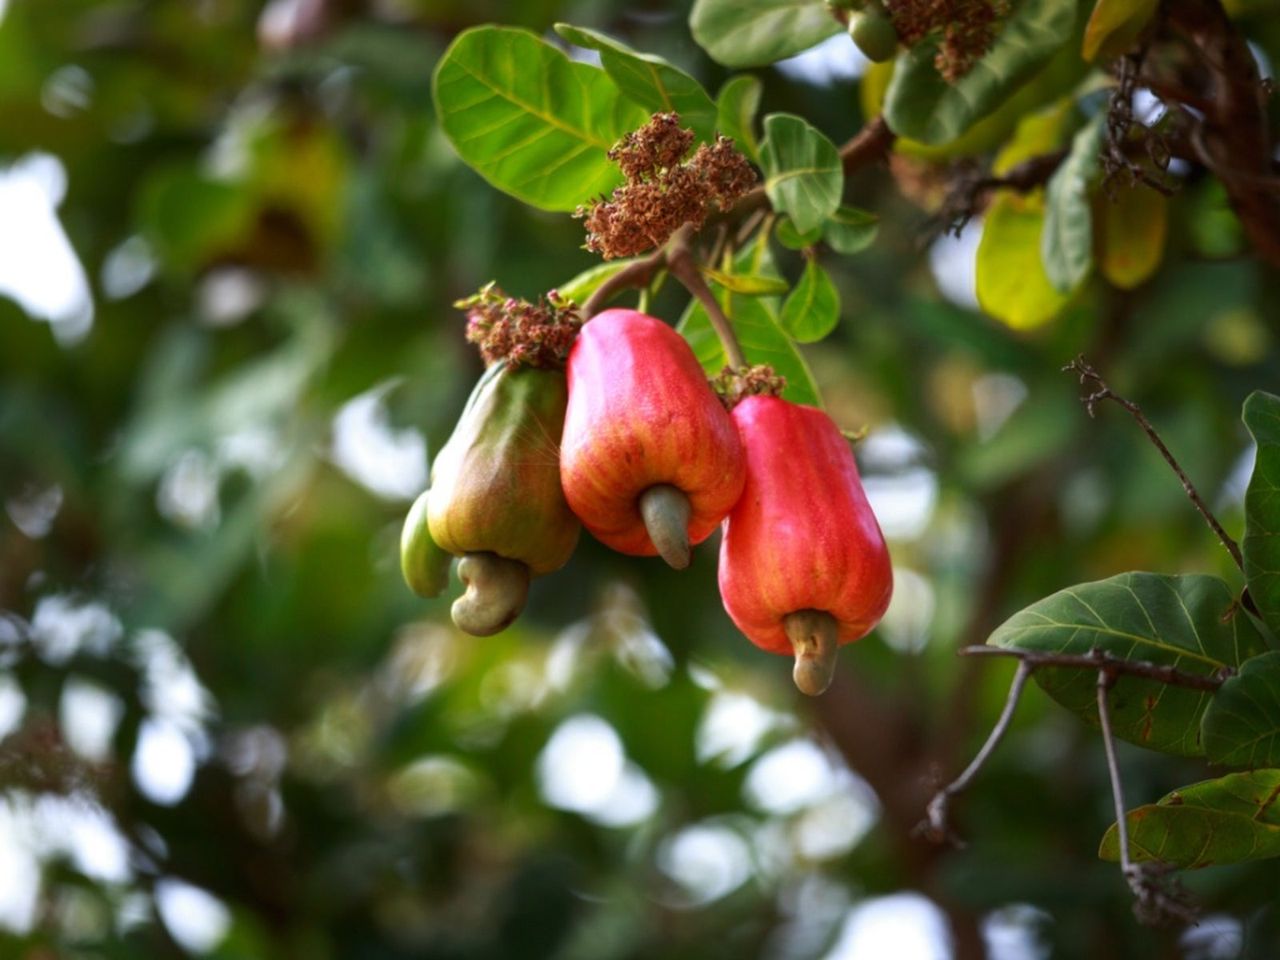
[(680, 262)]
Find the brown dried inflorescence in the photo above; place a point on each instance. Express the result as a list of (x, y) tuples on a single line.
[(521, 333), (967, 29), (663, 191), (733, 386)]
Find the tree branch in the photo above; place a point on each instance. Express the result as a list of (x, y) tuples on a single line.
[(636, 274), (1088, 374), (1236, 138), (681, 263)]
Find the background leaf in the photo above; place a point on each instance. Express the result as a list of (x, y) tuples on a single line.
[(1129, 234), (850, 230), (1261, 544), (1011, 282), (1172, 620), (528, 119), (1229, 820), (736, 108), (921, 105), (649, 80), (755, 33), (803, 177), (813, 308), (1242, 724), (786, 233), (1114, 25), (1066, 246)]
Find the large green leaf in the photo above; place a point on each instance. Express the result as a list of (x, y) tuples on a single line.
[(813, 308), (1261, 544), (1066, 246), (528, 119), (803, 176), (1188, 622), (736, 107), (850, 230), (755, 33), (1228, 820), (920, 104), (1242, 725), (649, 80)]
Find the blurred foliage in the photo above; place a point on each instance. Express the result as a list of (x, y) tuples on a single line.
[(203, 494)]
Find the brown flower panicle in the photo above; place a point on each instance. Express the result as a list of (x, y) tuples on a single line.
[(521, 333), (663, 190), (967, 28)]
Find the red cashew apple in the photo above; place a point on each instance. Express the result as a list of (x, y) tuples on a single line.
[(803, 564), (649, 459)]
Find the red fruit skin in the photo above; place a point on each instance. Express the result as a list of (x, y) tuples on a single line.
[(803, 536), (641, 413)]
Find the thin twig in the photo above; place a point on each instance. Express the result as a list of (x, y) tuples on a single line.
[(637, 274), (1094, 658), (1156, 900), (1088, 374), (936, 826), (682, 266)]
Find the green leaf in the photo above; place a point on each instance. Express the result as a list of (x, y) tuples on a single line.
[(1066, 246), (1131, 234), (793, 239), (1114, 26), (649, 80), (755, 33), (191, 219), (1011, 282), (1242, 725), (1187, 622), (921, 105), (803, 176), (813, 309), (736, 108), (1261, 545), (528, 119), (753, 285), (850, 230), (1229, 820)]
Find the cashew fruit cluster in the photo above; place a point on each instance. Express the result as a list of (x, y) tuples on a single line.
[(631, 440)]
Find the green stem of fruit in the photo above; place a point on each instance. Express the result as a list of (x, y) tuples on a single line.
[(815, 637), (496, 591), (665, 511)]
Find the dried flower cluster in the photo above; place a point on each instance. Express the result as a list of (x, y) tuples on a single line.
[(663, 191), (522, 333), (733, 386), (967, 29)]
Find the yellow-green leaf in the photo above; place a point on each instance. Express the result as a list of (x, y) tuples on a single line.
[(1011, 281)]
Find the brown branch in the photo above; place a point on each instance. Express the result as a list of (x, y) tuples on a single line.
[(1101, 660), (1236, 136), (1088, 374), (636, 274), (969, 192), (680, 262)]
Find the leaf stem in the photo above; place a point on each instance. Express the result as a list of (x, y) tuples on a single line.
[(1094, 658), (1088, 374)]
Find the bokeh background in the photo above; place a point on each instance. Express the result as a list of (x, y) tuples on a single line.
[(227, 729)]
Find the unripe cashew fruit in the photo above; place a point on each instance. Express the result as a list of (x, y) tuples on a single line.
[(873, 32), (803, 564), (424, 564), (649, 460), (495, 493)]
